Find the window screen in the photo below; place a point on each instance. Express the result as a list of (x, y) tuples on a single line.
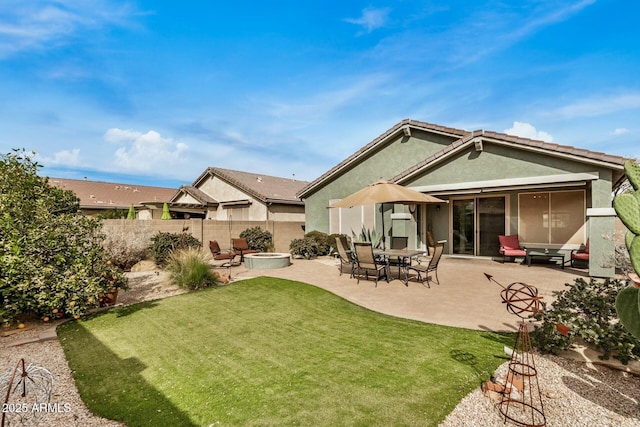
[(552, 217)]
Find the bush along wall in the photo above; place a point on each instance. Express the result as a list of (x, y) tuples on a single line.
[(52, 263), (258, 239), (164, 244), (307, 248)]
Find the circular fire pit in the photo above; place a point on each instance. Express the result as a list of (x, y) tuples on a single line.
[(267, 260)]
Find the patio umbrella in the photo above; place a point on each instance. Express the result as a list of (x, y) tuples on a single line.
[(382, 192)]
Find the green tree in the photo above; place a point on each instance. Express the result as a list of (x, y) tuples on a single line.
[(51, 259), (165, 212)]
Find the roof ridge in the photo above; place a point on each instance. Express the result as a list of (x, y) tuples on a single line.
[(514, 139), (272, 188), (379, 139), (89, 181)]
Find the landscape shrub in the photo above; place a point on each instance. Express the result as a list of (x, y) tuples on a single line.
[(163, 244), (258, 239), (52, 262), (112, 214), (190, 269), (322, 239), (127, 242), (588, 310), (306, 247)]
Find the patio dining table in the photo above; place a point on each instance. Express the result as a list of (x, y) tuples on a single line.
[(404, 257)]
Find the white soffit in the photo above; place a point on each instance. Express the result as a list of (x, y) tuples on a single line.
[(569, 179)]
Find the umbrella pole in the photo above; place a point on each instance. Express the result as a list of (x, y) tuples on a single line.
[(384, 237)]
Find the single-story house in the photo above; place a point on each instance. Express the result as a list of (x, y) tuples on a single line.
[(224, 194), (98, 197), (552, 196)]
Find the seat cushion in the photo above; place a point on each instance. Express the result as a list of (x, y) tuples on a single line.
[(509, 242), (214, 247), (513, 252), (240, 244), (584, 256)]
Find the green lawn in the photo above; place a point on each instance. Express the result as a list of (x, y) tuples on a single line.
[(272, 352)]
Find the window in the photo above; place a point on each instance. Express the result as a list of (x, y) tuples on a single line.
[(552, 217)]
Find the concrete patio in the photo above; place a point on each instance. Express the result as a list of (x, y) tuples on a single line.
[(464, 298)]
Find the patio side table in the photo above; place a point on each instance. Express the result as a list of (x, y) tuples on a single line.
[(548, 256)]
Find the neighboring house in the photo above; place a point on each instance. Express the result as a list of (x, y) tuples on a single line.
[(224, 194), (552, 196), (98, 197)]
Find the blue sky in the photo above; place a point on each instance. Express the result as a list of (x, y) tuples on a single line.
[(154, 91)]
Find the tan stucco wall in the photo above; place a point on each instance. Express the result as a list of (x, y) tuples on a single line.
[(205, 230), (186, 198), (223, 192), (286, 213)]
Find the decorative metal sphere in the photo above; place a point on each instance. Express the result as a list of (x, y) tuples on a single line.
[(521, 299)]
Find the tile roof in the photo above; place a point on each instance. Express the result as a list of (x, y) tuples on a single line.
[(196, 193), (577, 154), (107, 195), (463, 138), (413, 124), (557, 148), (263, 187)]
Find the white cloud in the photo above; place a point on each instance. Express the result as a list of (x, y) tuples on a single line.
[(42, 23), (371, 19), (526, 130), (620, 131), (319, 106), (476, 33), (121, 135), (63, 158), (599, 106), (145, 152)]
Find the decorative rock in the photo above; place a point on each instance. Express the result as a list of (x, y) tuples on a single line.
[(488, 386)]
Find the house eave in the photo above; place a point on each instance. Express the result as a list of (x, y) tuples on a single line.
[(480, 139), (533, 182), (232, 203), (285, 202)]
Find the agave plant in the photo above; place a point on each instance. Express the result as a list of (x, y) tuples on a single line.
[(368, 235)]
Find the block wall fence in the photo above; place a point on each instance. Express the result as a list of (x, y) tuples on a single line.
[(206, 229)]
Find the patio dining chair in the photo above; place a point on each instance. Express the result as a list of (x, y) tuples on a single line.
[(431, 267), (398, 243), (345, 256), (366, 261)]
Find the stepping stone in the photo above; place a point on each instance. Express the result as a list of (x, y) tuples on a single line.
[(48, 335)]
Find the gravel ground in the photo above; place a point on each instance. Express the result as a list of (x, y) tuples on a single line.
[(573, 393)]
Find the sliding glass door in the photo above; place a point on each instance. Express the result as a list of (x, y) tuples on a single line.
[(476, 223), (491, 224), (463, 227)]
